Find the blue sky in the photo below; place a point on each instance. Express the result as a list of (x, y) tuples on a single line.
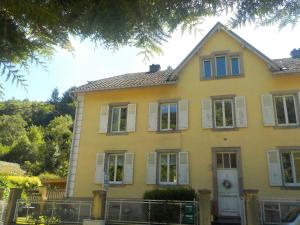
[(91, 63)]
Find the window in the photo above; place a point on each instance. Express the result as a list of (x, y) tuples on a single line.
[(285, 108), (291, 167), (223, 113), (118, 118), (226, 160), (115, 168), (207, 70), (221, 70), (168, 116), (168, 168), (235, 65)]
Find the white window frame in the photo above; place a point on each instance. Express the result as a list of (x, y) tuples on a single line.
[(294, 184), (169, 116), (285, 110), (223, 113), (239, 67), (115, 167), (211, 68), (230, 160), (119, 119), (216, 66), (168, 168)]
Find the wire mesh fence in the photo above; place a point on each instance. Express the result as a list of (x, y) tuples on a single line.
[(273, 211), (52, 212), (151, 211)]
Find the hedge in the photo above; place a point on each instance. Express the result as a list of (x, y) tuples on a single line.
[(179, 194)]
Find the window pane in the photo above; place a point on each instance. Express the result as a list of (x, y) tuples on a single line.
[(123, 119), (291, 109), (173, 119), (226, 160), (163, 167), (207, 69), (280, 110), (172, 167), (120, 166), (219, 161), (218, 114), (115, 119), (228, 113), (297, 165), (221, 66), (233, 160), (164, 116), (111, 167), (235, 66), (287, 168)]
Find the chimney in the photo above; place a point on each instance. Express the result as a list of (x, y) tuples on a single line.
[(154, 68), (295, 53)]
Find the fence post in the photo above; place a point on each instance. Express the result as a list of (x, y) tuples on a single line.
[(98, 206), (1, 193), (252, 207), (43, 193), (14, 195), (204, 202)]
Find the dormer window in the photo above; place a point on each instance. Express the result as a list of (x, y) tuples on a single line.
[(221, 65), (221, 69), (235, 65)]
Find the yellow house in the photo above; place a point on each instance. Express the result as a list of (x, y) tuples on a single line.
[(225, 119)]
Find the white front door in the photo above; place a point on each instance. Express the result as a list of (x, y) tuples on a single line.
[(228, 184)]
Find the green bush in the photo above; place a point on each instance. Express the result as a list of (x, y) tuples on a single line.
[(46, 176), (23, 182), (179, 194)]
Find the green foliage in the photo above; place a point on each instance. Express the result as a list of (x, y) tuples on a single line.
[(24, 182), (179, 194), (32, 29), (12, 169), (46, 176), (11, 128), (37, 135)]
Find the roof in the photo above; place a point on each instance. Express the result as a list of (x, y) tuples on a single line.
[(288, 65), (129, 80), (169, 76)]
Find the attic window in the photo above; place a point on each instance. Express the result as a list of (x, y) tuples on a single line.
[(221, 69)]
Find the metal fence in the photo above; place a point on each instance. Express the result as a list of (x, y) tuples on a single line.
[(274, 210), (151, 211), (52, 212), (3, 205)]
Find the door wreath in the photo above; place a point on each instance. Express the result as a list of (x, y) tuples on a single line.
[(227, 184)]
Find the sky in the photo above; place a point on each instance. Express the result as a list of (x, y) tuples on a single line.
[(89, 62)]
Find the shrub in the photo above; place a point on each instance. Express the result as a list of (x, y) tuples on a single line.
[(24, 182), (179, 194), (46, 176)]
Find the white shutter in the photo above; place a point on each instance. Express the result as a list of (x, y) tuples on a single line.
[(131, 117), (268, 110), (99, 173), (104, 111), (128, 168), (183, 168), (275, 176), (183, 114), (240, 111), (152, 116), (151, 168), (299, 97), (207, 118)]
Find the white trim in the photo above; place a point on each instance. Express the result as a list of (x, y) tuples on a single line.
[(294, 175), (75, 146), (119, 108), (286, 111), (116, 155), (168, 182), (169, 116), (223, 113)]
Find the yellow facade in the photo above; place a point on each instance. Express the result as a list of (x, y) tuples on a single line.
[(253, 141)]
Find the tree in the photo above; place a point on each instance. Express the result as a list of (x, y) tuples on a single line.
[(32, 29), (12, 127)]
